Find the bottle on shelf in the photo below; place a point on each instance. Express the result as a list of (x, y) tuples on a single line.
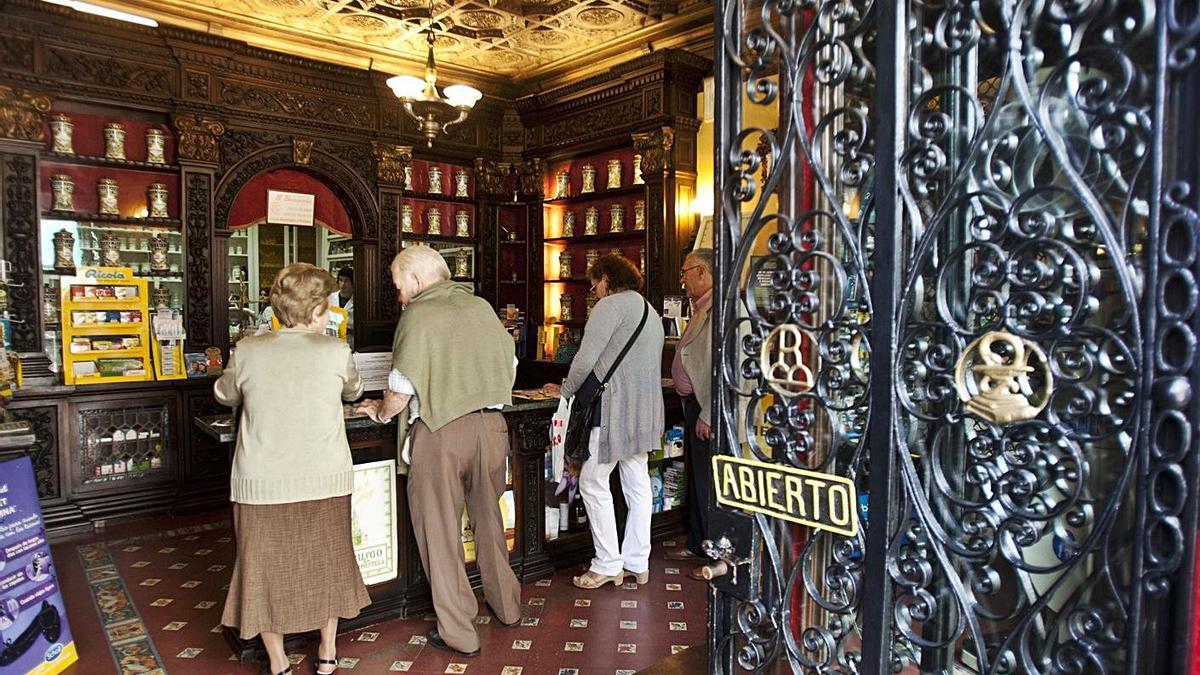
[(579, 516)]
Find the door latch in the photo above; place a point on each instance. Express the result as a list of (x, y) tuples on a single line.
[(722, 551)]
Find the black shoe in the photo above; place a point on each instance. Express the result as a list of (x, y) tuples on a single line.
[(436, 641), (500, 621)]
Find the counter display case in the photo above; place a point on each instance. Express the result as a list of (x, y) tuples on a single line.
[(105, 327)]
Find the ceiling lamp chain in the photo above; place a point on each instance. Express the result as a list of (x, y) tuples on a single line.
[(434, 113)]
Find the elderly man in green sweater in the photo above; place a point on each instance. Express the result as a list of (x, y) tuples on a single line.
[(459, 439)]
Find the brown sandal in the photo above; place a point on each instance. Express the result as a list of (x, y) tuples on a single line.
[(590, 580)]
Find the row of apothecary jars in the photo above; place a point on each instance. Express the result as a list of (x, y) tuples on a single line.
[(62, 192), (562, 179), (62, 132), (566, 260), (461, 181), (616, 212), (109, 254), (433, 221)]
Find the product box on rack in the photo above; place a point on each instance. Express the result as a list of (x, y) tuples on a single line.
[(120, 367)]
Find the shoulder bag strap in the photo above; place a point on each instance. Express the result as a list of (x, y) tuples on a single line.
[(633, 338)]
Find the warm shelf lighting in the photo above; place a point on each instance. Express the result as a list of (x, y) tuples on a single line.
[(89, 8), (433, 112)]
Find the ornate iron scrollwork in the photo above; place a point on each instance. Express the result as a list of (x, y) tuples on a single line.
[(1038, 405)]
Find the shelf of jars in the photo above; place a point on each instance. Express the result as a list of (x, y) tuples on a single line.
[(595, 205), (125, 164)]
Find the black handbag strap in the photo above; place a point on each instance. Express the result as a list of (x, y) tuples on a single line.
[(632, 338)]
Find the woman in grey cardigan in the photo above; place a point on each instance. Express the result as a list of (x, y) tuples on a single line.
[(631, 423)]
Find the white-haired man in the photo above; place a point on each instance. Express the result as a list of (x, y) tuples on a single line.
[(459, 439)]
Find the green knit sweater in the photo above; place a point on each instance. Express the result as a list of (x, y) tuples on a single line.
[(453, 348)]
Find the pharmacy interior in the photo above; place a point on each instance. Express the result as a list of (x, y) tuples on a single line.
[(153, 180)]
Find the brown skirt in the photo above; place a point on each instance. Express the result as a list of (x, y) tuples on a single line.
[(295, 567)]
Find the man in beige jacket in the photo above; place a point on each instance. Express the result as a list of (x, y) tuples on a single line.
[(692, 373)]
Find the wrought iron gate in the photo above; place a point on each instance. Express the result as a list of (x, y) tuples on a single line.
[(980, 219)]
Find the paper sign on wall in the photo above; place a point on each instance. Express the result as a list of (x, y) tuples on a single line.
[(290, 208)]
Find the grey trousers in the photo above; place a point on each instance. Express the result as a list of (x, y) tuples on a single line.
[(462, 463)]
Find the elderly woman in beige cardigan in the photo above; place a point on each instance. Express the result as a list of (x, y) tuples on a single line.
[(293, 475)]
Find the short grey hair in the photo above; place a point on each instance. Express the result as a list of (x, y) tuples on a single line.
[(704, 256), (422, 261)]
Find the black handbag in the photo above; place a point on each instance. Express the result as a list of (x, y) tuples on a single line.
[(585, 410)]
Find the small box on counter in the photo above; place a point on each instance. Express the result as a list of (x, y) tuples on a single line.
[(120, 367)]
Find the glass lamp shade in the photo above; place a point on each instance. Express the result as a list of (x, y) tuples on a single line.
[(406, 86), (462, 96)]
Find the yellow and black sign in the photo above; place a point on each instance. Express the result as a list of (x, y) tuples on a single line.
[(819, 500)]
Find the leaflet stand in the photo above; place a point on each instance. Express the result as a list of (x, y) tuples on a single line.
[(169, 335)]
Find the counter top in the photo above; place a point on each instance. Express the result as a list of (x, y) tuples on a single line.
[(223, 428)]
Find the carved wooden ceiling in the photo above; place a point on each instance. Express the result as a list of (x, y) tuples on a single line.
[(512, 39)]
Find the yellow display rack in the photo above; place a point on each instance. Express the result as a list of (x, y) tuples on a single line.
[(99, 316)]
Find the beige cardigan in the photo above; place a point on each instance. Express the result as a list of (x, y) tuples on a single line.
[(291, 444), (695, 353)]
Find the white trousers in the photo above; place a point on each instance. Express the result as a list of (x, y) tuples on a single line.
[(633, 552)]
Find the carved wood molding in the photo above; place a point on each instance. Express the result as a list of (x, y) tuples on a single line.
[(621, 80), (390, 160), (655, 149), (295, 104), (531, 172), (301, 150), (490, 175), (108, 72), (21, 112), (345, 182), (198, 138)]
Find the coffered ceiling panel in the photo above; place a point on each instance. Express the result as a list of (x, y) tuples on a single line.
[(507, 38)]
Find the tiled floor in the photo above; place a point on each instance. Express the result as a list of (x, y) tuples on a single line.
[(147, 598)]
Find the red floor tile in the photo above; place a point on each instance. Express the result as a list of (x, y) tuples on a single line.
[(150, 595)]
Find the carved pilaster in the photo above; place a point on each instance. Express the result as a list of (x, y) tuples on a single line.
[(389, 246), (199, 138), (390, 161), (531, 172), (655, 149), (21, 113), (197, 213), (301, 150), (18, 180)]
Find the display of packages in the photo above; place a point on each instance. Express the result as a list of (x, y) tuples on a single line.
[(673, 485)]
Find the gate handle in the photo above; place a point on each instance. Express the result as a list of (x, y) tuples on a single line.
[(722, 551)]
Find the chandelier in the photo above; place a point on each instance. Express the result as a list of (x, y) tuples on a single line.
[(433, 112)]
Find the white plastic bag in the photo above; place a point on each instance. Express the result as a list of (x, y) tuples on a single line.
[(558, 434)]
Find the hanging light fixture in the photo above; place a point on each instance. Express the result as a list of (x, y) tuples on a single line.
[(433, 112)]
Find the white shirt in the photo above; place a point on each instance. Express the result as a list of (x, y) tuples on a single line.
[(398, 383)]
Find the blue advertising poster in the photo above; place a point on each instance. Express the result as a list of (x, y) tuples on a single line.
[(34, 636)]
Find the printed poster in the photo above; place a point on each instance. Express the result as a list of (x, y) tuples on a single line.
[(373, 521), (34, 636)]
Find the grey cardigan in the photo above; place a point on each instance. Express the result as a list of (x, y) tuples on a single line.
[(632, 407)]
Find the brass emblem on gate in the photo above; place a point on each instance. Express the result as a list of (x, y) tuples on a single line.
[(1003, 378), (781, 359)]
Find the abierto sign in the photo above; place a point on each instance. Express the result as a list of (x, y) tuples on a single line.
[(819, 500)]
